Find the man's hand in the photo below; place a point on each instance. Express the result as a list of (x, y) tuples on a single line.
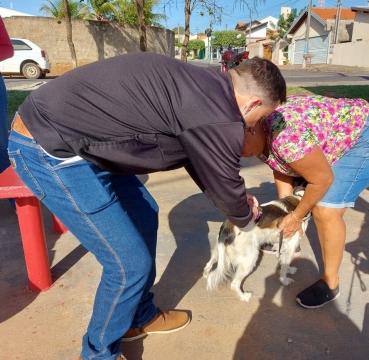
[(253, 203), (251, 200)]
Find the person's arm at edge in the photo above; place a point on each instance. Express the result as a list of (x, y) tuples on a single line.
[(315, 169), (284, 184), (6, 47)]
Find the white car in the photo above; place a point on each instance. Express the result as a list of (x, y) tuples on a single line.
[(28, 60)]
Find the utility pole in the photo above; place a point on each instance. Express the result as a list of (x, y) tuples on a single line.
[(306, 47), (209, 38), (337, 22), (250, 27)]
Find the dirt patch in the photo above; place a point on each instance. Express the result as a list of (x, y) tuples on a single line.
[(57, 70)]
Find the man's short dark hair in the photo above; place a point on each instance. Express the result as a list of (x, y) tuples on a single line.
[(256, 76)]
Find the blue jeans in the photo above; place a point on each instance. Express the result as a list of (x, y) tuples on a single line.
[(351, 174), (4, 159), (116, 219)]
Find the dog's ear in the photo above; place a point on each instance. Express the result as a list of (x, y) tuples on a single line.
[(226, 233)]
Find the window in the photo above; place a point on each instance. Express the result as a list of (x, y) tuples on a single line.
[(20, 45)]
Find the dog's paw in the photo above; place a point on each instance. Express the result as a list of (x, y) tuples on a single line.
[(205, 274), (292, 270), (246, 296), (286, 281)]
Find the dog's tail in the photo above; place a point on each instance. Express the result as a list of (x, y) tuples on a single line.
[(220, 274)]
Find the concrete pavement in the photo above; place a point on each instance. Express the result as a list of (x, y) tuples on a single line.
[(50, 325)]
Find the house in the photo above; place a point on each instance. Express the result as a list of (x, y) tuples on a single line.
[(322, 33), (355, 52), (9, 12), (257, 30)]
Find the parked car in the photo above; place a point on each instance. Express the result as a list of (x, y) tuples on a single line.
[(28, 60)]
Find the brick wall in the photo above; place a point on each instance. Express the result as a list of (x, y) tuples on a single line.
[(93, 40)]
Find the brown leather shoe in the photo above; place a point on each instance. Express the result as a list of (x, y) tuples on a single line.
[(164, 323)]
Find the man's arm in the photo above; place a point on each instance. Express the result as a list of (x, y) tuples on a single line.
[(214, 151)]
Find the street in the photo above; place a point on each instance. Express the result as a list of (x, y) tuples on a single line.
[(330, 75)]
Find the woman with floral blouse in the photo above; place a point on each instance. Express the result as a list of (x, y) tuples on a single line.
[(325, 141)]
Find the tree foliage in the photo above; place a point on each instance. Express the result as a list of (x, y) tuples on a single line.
[(284, 24), (211, 8), (55, 9), (127, 12), (229, 38), (195, 44), (113, 10), (179, 29)]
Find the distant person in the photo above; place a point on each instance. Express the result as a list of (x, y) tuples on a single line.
[(79, 141), (325, 141)]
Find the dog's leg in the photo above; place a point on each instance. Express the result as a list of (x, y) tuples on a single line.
[(285, 259), (212, 261), (244, 269)]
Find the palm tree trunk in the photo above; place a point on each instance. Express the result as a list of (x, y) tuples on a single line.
[(141, 23), (68, 23), (187, 11)]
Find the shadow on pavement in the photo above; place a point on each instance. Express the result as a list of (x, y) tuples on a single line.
[(281, 327)]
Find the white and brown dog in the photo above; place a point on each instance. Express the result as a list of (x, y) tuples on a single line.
[(237, 250)]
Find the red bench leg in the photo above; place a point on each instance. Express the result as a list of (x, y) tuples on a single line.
[(58, 226), (34, 243)]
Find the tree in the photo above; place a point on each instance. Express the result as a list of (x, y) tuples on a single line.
[(195, 45), (139, 4), (207, 7), (179, 30), (229, 38), (55, 9), (127, 12), (284, 24), (99, 9), (68, 23)]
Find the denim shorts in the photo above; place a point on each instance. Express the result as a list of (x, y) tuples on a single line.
[(351, 174)]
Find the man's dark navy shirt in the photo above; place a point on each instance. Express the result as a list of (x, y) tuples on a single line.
[(143, 112)]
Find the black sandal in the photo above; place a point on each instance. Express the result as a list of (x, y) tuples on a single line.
[(317, 295)]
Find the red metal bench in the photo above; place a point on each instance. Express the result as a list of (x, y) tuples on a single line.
[(31, 229)]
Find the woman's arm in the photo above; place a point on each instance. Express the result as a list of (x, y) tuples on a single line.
[(315, 169), (6, 47), (284, 184)]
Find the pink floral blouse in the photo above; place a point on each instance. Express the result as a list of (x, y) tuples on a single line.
[(295, 128)]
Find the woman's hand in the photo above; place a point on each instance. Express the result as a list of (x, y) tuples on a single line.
[(290, 225)]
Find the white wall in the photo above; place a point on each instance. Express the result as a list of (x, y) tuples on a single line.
[(361, 27), (353, 53)]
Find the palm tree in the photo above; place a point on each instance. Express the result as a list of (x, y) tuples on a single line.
[(127, 12), (55, 9), (101, 9), (68, 23)]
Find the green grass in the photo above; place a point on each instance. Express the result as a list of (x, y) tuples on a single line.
[(343, 91), (16, 97)]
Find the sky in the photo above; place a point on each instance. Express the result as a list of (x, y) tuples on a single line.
[(233, 12)]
